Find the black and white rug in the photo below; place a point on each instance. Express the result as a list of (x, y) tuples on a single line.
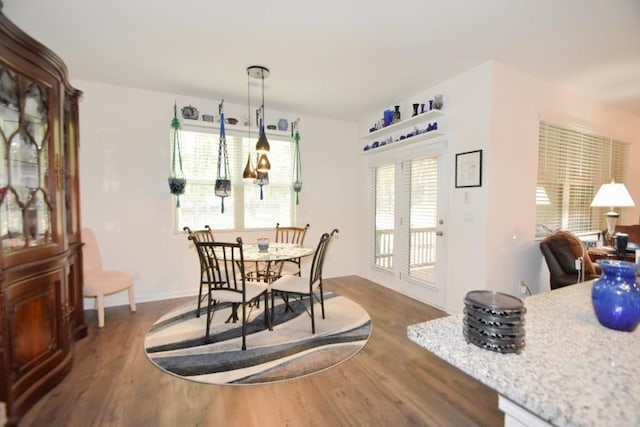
[(175, 343)]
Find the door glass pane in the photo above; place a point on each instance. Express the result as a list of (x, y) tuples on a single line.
[(384, 216), (25, 207), (423, 215)]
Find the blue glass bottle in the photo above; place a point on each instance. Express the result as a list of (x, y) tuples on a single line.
[(616, 295)]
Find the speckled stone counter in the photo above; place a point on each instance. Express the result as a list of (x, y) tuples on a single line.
[(572, 371)]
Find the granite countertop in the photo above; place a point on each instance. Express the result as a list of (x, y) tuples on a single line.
[(572, 372)]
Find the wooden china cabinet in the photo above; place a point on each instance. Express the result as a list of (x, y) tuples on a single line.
[(41, 312)]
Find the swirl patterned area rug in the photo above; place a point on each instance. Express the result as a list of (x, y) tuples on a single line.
[(175, 343)]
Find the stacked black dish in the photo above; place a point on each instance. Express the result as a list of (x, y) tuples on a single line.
[(494, 321)]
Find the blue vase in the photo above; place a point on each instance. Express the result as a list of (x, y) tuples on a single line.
[(616, 295)]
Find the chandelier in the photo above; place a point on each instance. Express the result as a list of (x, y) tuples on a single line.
[(259, 174)]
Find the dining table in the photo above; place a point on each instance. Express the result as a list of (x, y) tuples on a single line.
[(269, 262)]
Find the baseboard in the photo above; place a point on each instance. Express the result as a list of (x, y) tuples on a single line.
[(122, 298)]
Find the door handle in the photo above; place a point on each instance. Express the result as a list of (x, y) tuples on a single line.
[(439, 233)]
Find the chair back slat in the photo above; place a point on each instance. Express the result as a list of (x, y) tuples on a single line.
[(204, 235), (294, 235), (223, 263), (319, 257)]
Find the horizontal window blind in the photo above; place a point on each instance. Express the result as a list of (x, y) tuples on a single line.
[(572, 165), (383, 195), (421, 184)]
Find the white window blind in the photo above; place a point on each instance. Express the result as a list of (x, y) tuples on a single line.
[(421, 184), (572, 165), (383, 189), (244, 209)]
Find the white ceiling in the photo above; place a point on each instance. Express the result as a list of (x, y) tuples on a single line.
[(338, 58)]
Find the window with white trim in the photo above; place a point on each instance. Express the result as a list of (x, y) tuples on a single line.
[(199, 205), (404, 196), (572, 165)]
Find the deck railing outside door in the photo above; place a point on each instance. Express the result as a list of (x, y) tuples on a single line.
[(422, 248)]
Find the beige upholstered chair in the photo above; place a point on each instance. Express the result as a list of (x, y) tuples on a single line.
[(98, 282)]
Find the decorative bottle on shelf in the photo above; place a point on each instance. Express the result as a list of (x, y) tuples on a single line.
[(438, 102), (396, 114), (616, 295)]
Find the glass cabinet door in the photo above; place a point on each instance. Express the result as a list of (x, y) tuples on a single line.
[(25, 201)]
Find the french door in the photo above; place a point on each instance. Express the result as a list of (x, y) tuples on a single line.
[(408, 226)]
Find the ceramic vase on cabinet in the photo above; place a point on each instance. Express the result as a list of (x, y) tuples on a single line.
[(616, 295)]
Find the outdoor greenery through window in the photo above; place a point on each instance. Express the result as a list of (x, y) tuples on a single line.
[(243, 209), (572, 165)]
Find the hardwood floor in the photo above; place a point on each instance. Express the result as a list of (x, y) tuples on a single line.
[(391, 382)]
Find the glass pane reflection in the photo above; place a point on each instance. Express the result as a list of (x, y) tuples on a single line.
[(25, 208)]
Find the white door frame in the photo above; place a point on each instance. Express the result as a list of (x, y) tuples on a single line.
[(433, 295)]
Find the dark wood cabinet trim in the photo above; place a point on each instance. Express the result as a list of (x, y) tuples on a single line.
[(41, 300)]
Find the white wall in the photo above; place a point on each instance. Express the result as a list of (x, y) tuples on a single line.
[(124, 165), (125, 162), (490, 239), (466, 125), (519, 101)]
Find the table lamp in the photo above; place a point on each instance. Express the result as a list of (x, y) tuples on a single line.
[(610, 196)]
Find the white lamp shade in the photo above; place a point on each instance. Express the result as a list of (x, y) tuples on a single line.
[(612, 195)]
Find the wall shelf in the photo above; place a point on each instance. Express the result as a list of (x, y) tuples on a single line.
[(390, 135), (406, 141), (235, 128), (402, 124)]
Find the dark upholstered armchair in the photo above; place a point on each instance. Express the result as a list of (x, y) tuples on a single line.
[(560, 251)]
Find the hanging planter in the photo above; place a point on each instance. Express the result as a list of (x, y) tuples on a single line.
[(261, 180), (177, 181), (223, 181), (297, 165)]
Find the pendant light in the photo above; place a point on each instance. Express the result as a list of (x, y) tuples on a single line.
[(223, 180), (249, 170), (262, 146), (260, 174), (262, 165), (177, 181), (297, 164)]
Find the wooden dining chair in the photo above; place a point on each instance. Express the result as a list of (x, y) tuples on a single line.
[(300, 287), (204, 235), (226, 284), (293, 235)]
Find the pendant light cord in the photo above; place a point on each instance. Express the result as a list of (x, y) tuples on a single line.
[(298, 161)]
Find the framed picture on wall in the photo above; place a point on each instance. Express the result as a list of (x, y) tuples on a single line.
[(469, 169)]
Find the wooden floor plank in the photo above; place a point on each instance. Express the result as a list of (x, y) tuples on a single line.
[(391, 382)]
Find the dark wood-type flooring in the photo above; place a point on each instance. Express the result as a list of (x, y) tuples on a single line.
[(391, 382)]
